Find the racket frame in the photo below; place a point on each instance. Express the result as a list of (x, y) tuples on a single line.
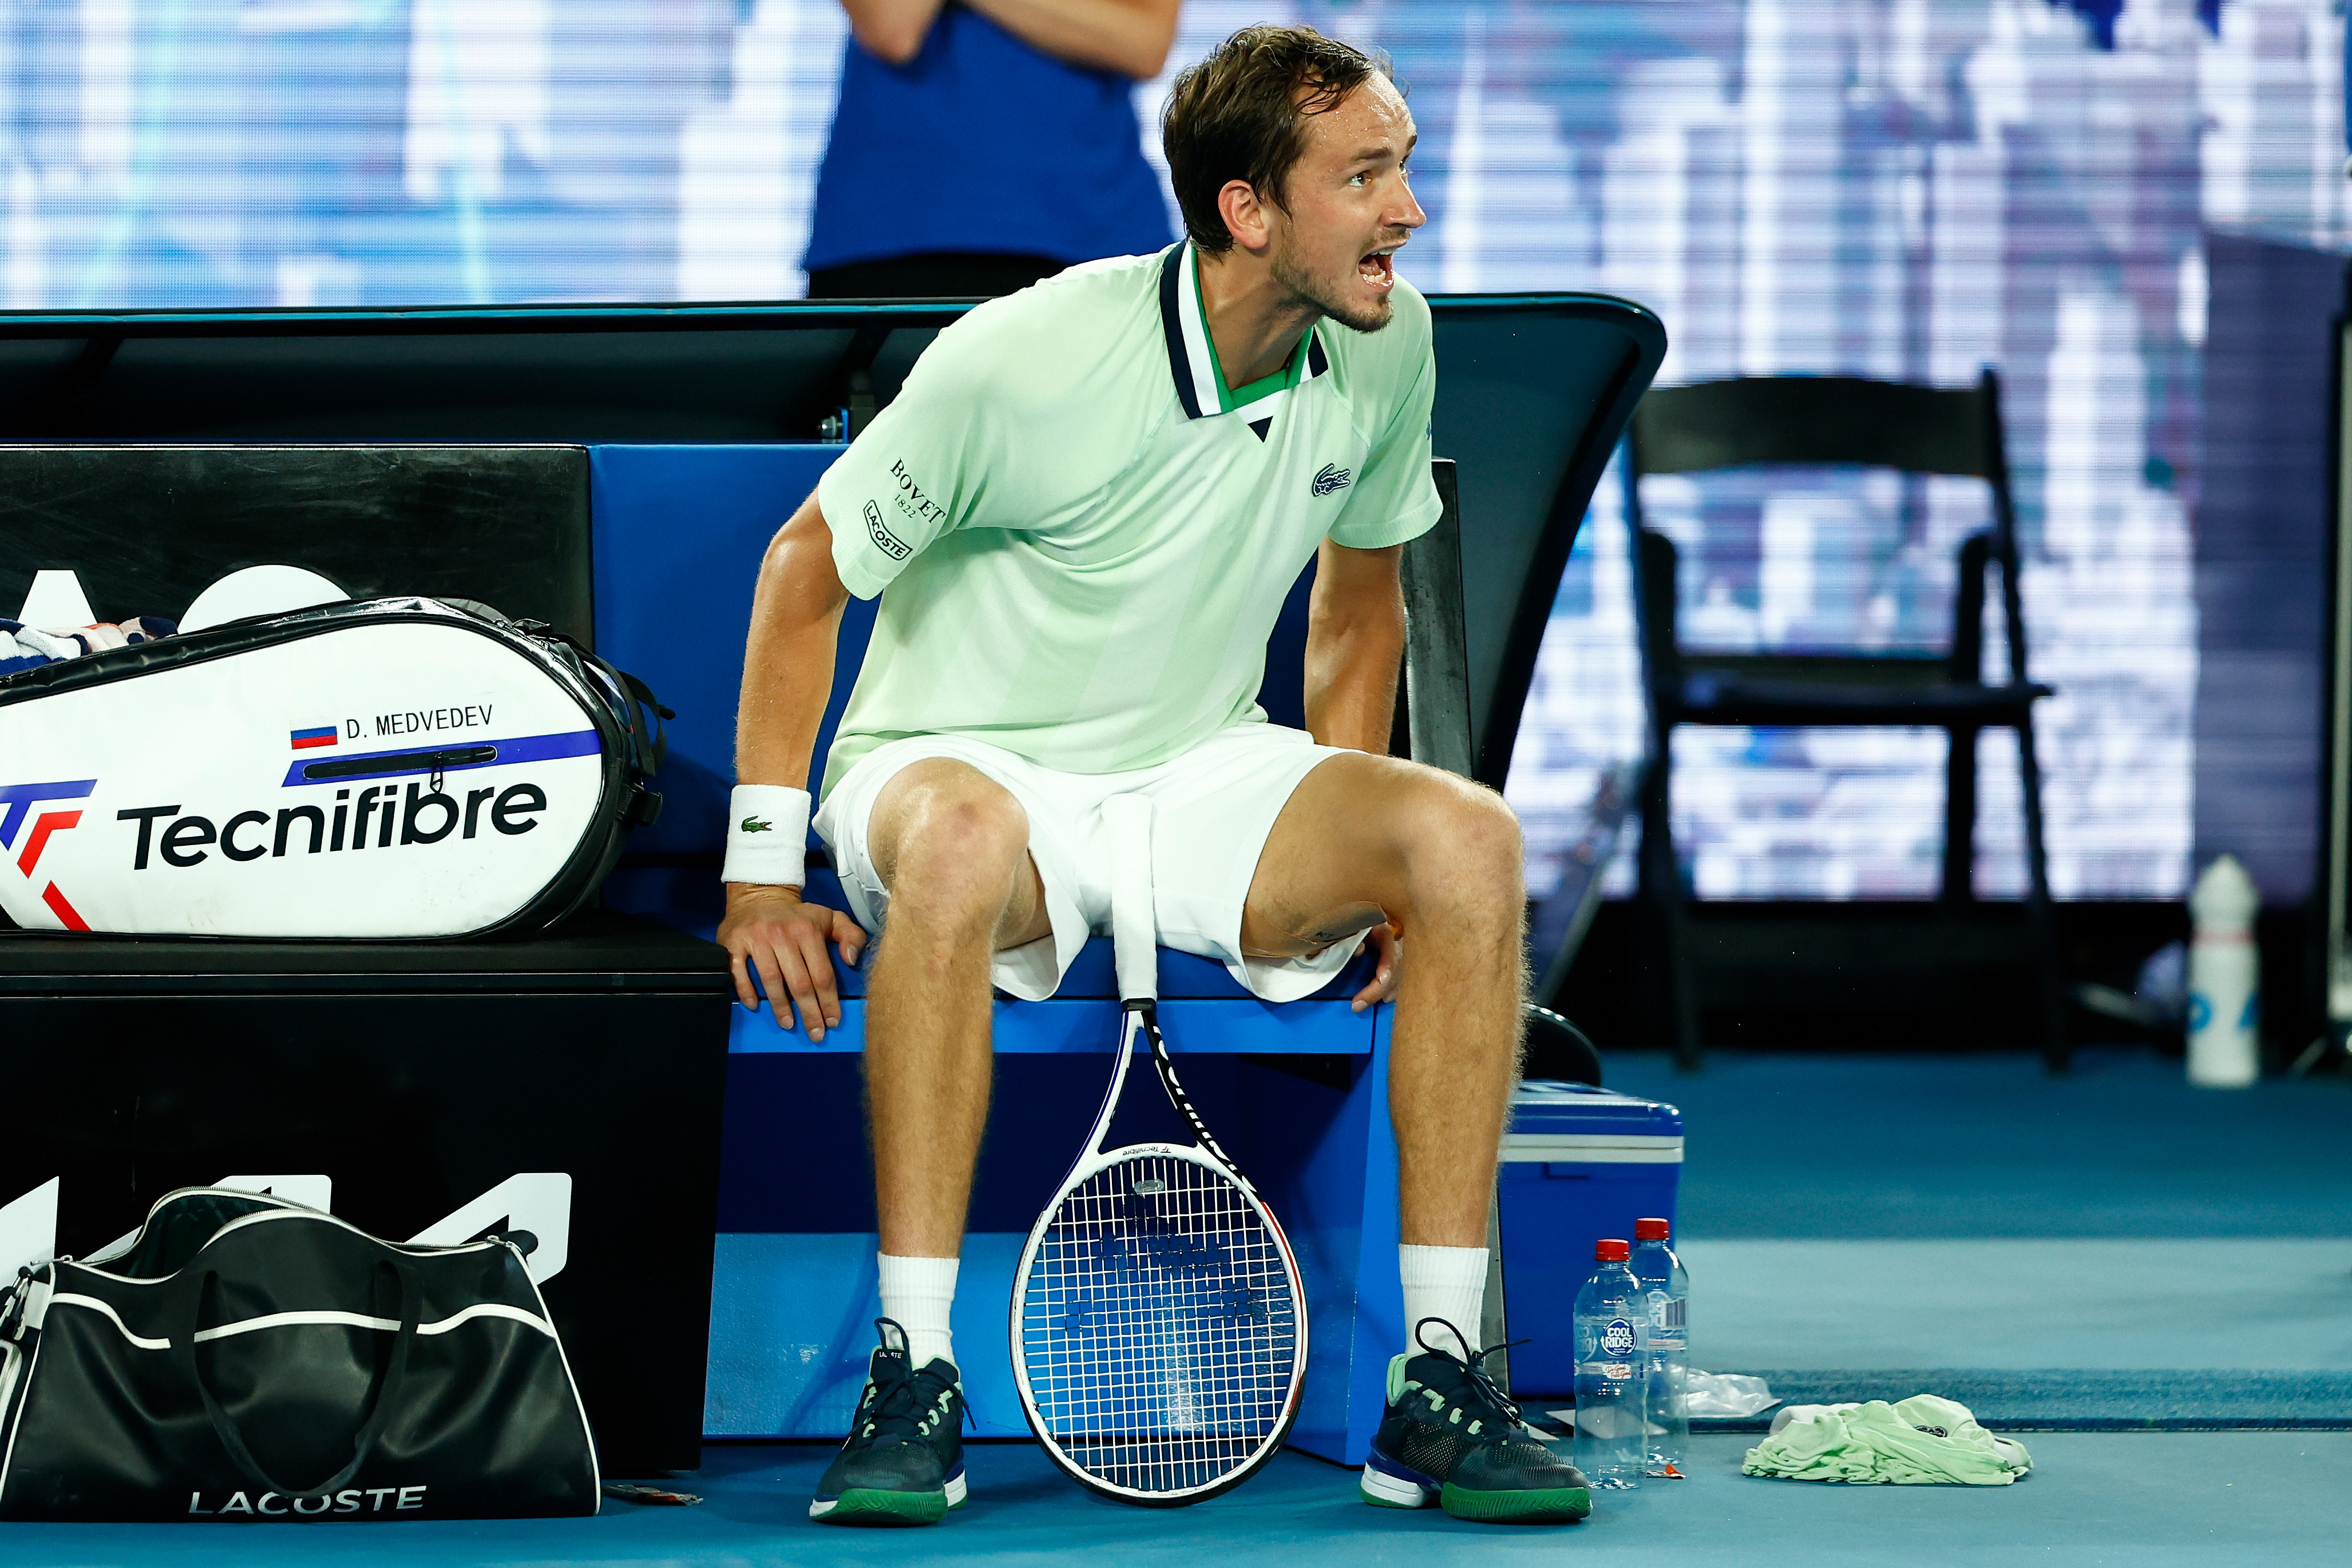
[(1142, 1017)]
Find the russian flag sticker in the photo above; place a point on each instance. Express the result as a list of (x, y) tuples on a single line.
[(324, 735)]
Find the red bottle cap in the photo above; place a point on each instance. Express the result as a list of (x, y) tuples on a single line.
[(1651, 1230), (1611, 1252)]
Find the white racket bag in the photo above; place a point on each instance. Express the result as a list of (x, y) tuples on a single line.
[(390, 769)]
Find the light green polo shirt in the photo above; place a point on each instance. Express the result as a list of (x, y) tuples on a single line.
[(1082, 537)]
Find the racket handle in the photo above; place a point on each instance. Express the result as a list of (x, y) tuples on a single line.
[(1134, 932)]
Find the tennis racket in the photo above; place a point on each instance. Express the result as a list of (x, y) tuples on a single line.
[(1159, 1331)]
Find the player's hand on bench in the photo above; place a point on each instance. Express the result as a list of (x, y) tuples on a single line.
[(1387, 951), (773, 932)]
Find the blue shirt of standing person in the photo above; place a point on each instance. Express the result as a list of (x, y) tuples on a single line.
[(980, 146)]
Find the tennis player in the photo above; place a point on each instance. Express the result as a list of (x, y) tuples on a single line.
[(1083, 514)]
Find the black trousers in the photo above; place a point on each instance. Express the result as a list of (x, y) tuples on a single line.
[(932, 275)]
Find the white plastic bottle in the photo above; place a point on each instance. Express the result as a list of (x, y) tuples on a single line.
[(2224, 979), (1665, 1290), (1612, 1346)]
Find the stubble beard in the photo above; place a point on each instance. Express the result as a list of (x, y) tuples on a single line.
[(1320, 297)]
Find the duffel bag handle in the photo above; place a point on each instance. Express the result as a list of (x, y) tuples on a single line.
[(381, 1404)]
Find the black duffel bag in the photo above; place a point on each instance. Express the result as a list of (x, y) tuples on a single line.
[(247, 1358)]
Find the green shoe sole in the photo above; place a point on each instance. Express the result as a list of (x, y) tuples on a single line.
[(864, 1505), (1548, 1505)]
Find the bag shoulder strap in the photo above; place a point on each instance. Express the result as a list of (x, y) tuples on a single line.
[(383, 1399)]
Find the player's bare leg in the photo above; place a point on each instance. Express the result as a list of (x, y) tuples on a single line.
[(951, 845), (1364, 839), (1367, 838)]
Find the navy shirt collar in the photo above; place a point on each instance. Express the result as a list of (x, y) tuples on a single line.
[(1191, 363)]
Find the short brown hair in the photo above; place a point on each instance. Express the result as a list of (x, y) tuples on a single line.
[(1242, 113)]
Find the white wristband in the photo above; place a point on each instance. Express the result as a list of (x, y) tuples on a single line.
[(767, 836)]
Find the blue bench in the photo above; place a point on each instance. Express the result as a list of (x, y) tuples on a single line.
[(1298, 1092)]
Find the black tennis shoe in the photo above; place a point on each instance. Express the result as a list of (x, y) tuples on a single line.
[(1451, 1437), (903, 1461)]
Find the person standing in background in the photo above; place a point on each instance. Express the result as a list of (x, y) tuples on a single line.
[(980, 146)]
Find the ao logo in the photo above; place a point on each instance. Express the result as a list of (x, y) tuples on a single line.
[(1617, 1338), (537, 1201)]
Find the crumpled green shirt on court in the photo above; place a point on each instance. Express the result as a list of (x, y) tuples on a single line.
[(1924, 1440)]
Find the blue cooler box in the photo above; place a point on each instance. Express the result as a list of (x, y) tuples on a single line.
[(1578, 1164)]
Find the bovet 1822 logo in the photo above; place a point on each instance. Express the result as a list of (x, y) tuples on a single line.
[(912, 503), (1332, 477), (17, 807)]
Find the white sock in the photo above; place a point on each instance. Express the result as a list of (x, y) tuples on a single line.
[(1448, 1282), (916, 1293)]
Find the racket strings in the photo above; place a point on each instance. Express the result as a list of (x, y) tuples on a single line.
[(1160, 1328)]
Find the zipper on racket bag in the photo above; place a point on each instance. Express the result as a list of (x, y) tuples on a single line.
[(402, 762)]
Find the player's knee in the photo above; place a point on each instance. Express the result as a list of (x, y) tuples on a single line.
[(1465, 855), (958, 842)]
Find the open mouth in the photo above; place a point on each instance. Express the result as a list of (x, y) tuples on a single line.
[(1377, 269)]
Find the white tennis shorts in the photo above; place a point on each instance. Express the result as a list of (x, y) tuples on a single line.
[(1211, 810)]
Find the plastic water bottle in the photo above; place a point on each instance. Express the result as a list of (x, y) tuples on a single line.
[(2224, 979), (1665, 1286), (1613, 1323)]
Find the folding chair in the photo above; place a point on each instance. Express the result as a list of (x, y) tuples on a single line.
[(1820, 421)]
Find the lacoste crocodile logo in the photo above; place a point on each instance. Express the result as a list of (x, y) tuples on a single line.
[(1332, 477), (758, 825)]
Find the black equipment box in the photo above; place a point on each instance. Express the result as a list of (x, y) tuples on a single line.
[(147, 527), (569, 1085)]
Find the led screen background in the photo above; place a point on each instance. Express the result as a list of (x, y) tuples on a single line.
[(1901, 188)]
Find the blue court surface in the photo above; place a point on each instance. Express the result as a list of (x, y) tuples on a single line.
[(2272, 1498), (1991, 1146), (2107, 1251)]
